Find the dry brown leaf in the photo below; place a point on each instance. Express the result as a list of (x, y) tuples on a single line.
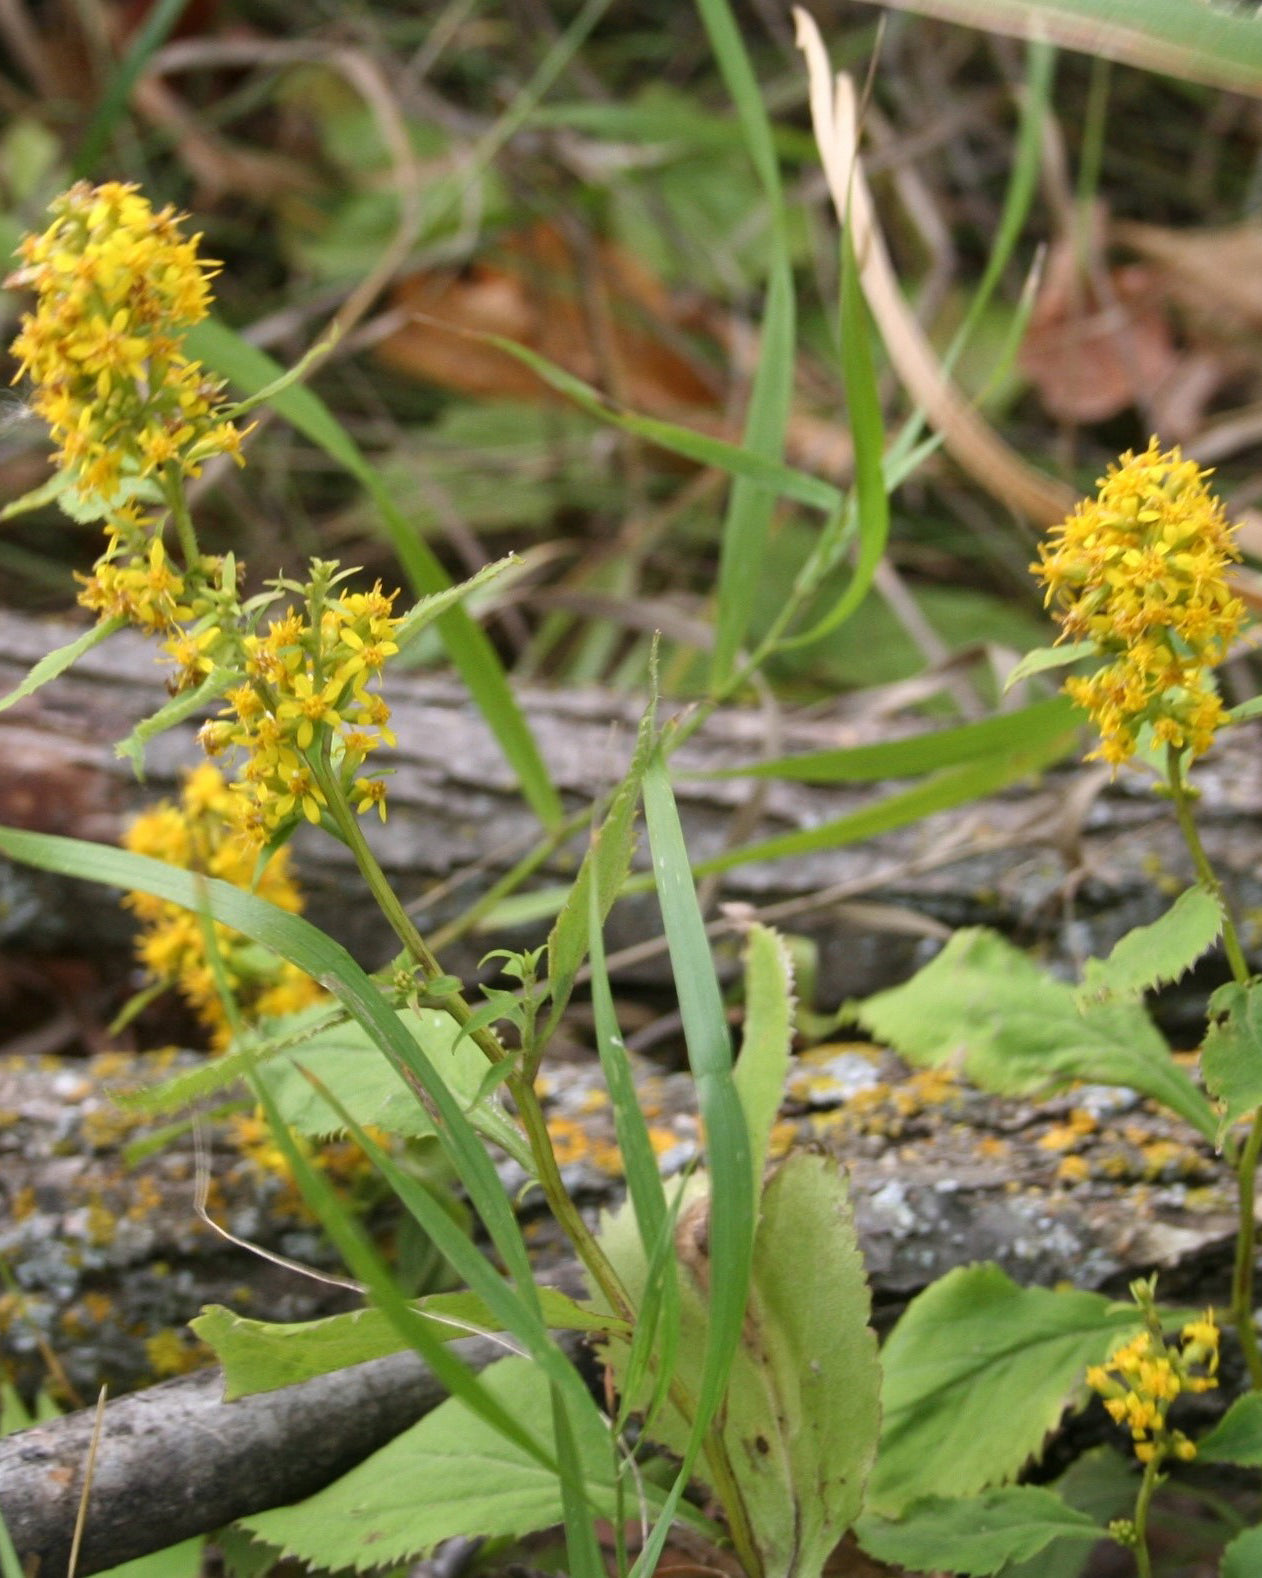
[(1090, 359), (1213, 274), (595, 312)]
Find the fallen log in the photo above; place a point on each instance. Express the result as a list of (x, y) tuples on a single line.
[(1069, 862), (194, 1463)]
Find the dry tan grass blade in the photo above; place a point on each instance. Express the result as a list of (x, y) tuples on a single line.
[(975, 446)]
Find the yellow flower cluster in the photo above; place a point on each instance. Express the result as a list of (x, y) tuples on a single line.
[(307, 689), (117, 286), (202, 834), (1144, 1377), (1141, 572)]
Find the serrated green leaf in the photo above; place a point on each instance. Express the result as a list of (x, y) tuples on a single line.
[(764, 1057), (976, 1535), (983, 1007), (1237, 1437), (801, 1416), (262, 1356), (1044, 658), (447, 1476), (1151, 956), (423, 614), (960, 1354), (171, 715), (55, 663), (1243, 1557), (1231, 1058), (345, 1060), (47, 493)]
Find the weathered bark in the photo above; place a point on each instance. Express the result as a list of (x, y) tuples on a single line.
[(1068, 862), (176, 1461)]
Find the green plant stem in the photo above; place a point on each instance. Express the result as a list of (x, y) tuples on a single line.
[(184, 529), (1242, 1281), (1152, 1473), (530, 1113)]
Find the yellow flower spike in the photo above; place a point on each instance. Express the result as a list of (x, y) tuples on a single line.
[(1141, 572), (117, 285)]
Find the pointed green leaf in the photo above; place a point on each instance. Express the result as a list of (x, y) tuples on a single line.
[(977, 1535), (1044, 658), (1243, 1557), (1151, 956), (55, 663), (964, 1350), (1237, 1437), (171, 715), (1231, 1059), (983, 1007), (764, 1061)]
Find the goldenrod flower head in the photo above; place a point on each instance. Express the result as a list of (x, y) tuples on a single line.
[(1140, 571), (1145, 1375), (117, 287), (307, 686), (203, 834)]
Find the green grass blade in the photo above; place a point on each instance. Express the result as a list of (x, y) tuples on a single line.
[(149, 36), (952, 787), (799, 486), (731, 1226), (1182, 38), (1044, 720), (582, 1548), (325, 961), (748, 521), (471, 650)]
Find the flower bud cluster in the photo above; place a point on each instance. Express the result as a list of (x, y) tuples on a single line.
[(305, 698), (1141, 1380), (201, 834), (1140, 571)]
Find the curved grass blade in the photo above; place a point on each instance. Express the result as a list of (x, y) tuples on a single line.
[(1044, 720), (470, 647), (1186, 39)]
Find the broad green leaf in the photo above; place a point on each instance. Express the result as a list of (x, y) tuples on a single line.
[(970, 742), (171, 715), (471, 649), (261, 1356), (977, 1534), (764, 1058), (55, 663), (1231, 1058), (1151, 956), (801, 1417), (983, 1007), (447, 1476), (1237, 1437), (1243, 1557), (1186, 39), (1101, 1483), (605, 865), (1043, 658), (965, 1349), (344, 1059)]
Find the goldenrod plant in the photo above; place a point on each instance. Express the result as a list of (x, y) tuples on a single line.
[(731, 1308)]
